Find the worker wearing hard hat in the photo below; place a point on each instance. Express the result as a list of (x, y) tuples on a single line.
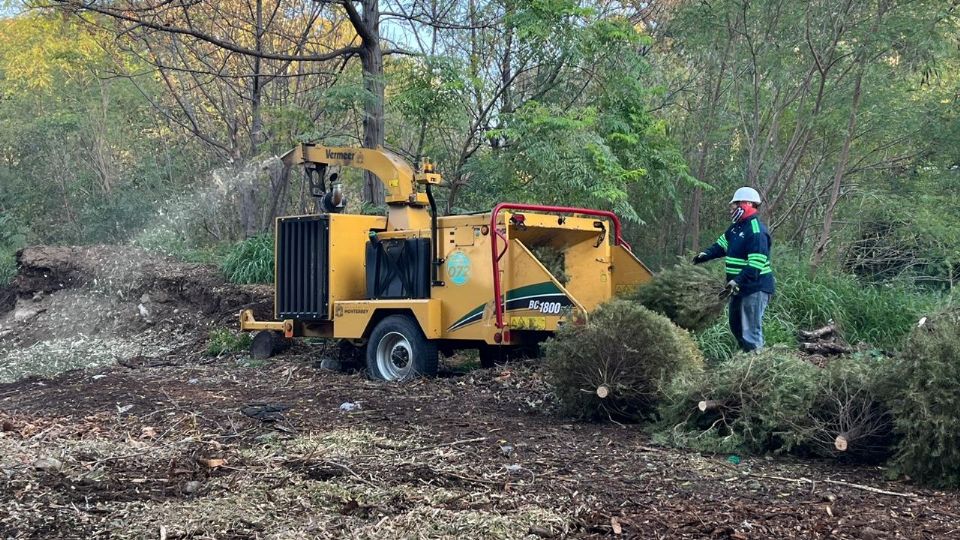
[(750, 283)]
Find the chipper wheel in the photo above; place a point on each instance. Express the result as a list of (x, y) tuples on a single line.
[(398, 350)]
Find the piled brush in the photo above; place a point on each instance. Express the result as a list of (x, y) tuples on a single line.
[(822, 343), (848, 419), (686, 294), (923, 383), (776, 400), (752, 402), (617, 364)]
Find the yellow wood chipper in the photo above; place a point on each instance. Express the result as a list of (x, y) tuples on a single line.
[(404, 286)]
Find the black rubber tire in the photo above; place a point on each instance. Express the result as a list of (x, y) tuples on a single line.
[(424, 358), (268, 343), (491, 355), (264, 345), (281, 343), (351, 357)]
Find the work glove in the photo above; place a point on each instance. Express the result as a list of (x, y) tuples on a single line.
[(731, 289), (700, 258)]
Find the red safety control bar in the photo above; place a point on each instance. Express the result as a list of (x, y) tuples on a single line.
[(497, 255)]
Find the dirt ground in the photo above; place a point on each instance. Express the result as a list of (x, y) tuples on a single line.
[(154, 439)]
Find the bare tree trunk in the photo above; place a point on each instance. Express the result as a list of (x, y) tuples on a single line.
[(506, 75), (256, 123), (371, 58), (703, 150), (100, 154), (821, 246), (279, 176), (248, 208), (695, 203)]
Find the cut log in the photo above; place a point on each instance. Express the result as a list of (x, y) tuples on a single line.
[(603, 391), (842, 442), (819, 333), (709, 405)]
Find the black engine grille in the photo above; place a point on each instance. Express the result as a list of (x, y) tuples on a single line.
[(302, 263)]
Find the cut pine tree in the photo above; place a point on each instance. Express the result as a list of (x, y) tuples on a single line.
[(685, 294), (616, 364)]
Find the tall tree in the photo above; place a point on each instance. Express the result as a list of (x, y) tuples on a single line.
[(269, 37), (83, 156), (789, 97)]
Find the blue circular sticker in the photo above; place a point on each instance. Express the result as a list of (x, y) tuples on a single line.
[(458, 268)]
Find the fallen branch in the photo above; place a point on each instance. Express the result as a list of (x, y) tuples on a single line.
[(838, 483), (442, 445), (424, 448), (541, 532), (819, 333), (352, 473)]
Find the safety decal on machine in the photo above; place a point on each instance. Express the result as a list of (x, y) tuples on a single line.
[(458, 268), (544, 297)]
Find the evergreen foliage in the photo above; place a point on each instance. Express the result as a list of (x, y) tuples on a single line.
[(686, 294), (759, 399), (924, 387), (624, 347), (776, 401), (849, 402)]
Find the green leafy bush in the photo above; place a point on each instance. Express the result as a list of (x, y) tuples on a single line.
[(250, 261), (625, 348), (224, 341), (924, 385), (912, 231)]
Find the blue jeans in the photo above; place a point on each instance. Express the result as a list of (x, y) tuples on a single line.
[(746, 319)]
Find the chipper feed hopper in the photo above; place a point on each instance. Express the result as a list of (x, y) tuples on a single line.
[(404, 286)]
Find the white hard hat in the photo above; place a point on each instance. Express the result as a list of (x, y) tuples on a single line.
[(747, 194)]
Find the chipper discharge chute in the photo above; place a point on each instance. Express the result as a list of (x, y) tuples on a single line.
[(405, 286)]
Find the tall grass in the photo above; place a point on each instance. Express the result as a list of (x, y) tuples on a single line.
[(716, 343), (880, 315), (8, 266), (250, 261), (12, 238)]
